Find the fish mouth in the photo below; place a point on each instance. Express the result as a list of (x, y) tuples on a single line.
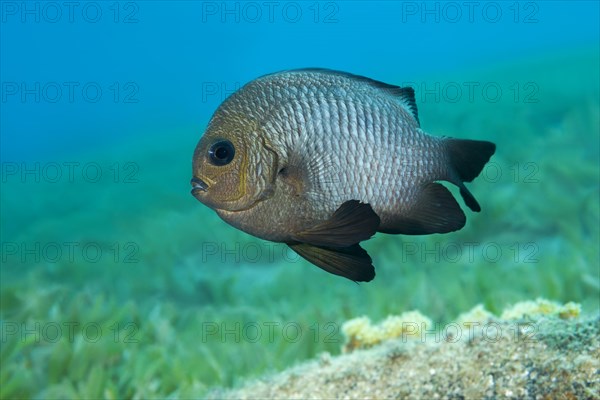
[(198, 185)]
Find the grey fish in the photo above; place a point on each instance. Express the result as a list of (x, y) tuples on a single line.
[(322, 160)]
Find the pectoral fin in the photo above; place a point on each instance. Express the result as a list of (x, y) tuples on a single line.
[(351, 262), (352, 223)]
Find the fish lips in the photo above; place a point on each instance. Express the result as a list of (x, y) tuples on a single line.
[(198, 186)]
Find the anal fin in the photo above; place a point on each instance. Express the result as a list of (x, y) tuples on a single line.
[(434, 211), (351, 262)]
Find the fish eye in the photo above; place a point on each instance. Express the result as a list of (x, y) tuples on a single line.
[(221, 152)]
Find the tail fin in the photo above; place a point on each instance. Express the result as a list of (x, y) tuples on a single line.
[(467, 158)]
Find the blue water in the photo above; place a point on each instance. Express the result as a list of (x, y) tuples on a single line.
[(171, 50), (102, 104)]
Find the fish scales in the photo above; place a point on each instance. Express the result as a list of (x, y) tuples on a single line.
[(307, 109), (362, 176)]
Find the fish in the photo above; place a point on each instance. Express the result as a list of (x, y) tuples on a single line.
[(321, 160)]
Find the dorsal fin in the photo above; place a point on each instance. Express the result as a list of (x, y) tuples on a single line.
[(405, 95)]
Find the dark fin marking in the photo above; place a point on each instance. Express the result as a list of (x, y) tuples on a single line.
[(351, 262), (435, 210), (405, 95), (469, 198), (467, 158), (351, 223)]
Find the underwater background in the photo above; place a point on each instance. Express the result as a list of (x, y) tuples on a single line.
[(117, 283)]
